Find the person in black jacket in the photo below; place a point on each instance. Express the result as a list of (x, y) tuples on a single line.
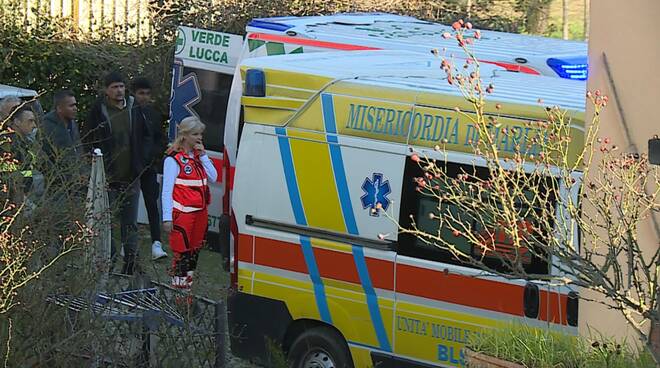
[(116, 125), (141, 88), (61, 139), (18, 154)]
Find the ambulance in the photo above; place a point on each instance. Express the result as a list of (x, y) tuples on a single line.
[(319, 267), (381, 31), (204, 81)]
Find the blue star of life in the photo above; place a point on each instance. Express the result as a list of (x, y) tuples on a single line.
[(185, 94), (375, 191)]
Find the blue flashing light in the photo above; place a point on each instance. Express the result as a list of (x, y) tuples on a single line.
[(576, 68), (267, 24), (255, 83)]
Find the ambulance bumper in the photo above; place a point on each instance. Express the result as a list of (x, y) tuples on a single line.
[(256, 324)]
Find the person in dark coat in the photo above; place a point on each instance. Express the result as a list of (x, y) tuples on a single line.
[(141, 88), (61, 138), (17, 166), (116, 125)]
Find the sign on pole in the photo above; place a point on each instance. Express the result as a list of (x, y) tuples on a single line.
[(208, 50)]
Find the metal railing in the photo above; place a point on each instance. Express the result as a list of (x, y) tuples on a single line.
[(156, 326)]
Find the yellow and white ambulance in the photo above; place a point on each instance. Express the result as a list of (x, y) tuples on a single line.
[(318, 268), (204, 81)]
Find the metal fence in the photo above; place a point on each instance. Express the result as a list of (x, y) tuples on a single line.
[(153, 326), (127, 20)]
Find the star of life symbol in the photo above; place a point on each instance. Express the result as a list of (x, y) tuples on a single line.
[(185, 94), (375, 192)]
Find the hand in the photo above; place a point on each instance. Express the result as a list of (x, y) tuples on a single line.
[(167, 226), (199, 147)]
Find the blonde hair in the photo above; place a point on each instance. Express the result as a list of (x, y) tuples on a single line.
[(186, 127)]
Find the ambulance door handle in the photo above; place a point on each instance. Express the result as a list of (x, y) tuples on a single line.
[(531, 300)]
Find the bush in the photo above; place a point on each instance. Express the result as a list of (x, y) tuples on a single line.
[(47, 58), (232, 15)]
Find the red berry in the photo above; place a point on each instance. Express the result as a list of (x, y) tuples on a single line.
[(456, 233), (456, 26)]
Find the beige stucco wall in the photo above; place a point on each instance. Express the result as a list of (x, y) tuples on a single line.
[(627, 32)]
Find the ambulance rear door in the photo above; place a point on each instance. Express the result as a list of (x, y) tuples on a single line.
[(202, 75)]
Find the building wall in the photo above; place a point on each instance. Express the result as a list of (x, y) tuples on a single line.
[(626, 33)]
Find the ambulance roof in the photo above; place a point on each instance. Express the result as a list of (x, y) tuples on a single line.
[(389, 31), (6, 91), (416, 71)]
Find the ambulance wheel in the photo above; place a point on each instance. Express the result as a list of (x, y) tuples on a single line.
[(319, 347)]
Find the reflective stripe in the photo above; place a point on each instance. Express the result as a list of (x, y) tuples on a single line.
[(191, 182), (183, 208)]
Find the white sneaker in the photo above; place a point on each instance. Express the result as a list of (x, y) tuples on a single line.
[(157, 251)]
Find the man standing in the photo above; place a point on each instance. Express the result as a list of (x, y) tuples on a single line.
[(18, 168), (149, 184), (116, 125), (61, 138)]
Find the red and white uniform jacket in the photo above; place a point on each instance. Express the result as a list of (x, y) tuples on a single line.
[(191, 188)]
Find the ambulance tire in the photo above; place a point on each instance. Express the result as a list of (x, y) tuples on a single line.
[(319, 347)]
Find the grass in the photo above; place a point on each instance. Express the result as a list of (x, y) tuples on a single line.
[(537, 348), (211, 281), (575, 20)]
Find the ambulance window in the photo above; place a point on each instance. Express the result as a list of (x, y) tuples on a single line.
[(419, 206), (212, 108)]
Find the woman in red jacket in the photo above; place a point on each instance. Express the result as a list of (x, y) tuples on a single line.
[(186, 196)]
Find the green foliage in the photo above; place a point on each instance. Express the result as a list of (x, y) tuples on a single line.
[(276, 358), (575, 30), (47, 58), (539, 348), (233, 15)]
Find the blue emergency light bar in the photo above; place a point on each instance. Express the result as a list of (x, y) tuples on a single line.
[(576, 68), (265, 23)]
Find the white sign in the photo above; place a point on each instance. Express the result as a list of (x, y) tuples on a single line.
[(209, 50)]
